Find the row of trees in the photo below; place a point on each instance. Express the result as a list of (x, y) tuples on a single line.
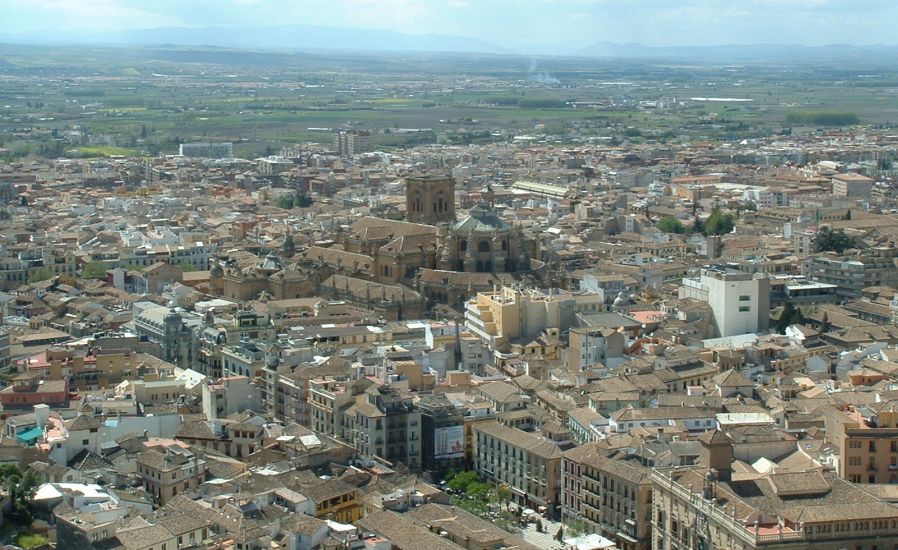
[(298, 200), (718, 223)]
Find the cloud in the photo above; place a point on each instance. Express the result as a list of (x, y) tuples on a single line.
[(570, 24), (85, 14)]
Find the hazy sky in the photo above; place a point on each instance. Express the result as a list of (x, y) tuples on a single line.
[(508, 23)]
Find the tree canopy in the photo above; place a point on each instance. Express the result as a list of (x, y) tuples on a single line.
[(719, 223), (670, 224), (40, 274), (827, 240), (93, 270), (300, 200), (790, 315)]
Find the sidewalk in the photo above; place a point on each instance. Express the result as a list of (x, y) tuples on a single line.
[(546, 539)]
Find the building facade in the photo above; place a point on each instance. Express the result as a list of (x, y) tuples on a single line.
[(740, 301)]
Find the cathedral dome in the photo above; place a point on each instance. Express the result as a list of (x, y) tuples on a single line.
[(482, 219)]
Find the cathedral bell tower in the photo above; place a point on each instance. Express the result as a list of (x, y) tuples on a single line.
[(430, 199)]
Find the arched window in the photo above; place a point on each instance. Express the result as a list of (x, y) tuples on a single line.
[(504, 245), (463, 245), (484, 246)]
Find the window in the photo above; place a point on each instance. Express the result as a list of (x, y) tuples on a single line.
[(744, 298), (85, 442), (743, 309)]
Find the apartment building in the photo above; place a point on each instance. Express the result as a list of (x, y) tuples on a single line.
[(88, 369), (852, 186), (867, 440), (853, 274), (335, 500), (591, 345), (168, 471), (610, 491), (352, 142), (219, 150), (510, 313), (328, 401), (530, 465), (385, 424)]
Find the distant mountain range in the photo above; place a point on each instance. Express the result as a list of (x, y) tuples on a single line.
[(311, 37), (282, 37), (740, 52)]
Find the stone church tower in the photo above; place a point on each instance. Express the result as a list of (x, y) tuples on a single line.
[(430, 200)]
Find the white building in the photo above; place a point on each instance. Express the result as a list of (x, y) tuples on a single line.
[(222, 150), (740, 301)]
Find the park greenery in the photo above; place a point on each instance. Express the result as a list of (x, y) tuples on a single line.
[(480, 499), (112, 107)]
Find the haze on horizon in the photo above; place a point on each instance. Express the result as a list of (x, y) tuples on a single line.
[(525, 25)]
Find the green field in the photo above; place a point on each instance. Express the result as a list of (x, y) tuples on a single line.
[(148, 100)]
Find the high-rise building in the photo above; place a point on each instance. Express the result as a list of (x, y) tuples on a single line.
[(211, 150), (352, 142)]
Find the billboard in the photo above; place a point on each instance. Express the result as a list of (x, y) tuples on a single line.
[(449, 442)]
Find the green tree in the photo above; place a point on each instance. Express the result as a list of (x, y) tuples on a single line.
[(825, 325), (94, 270), (461, 481), (789, 316), (670, 224), (719, 223), (40, 274), (186, 267), (478, 490), (827, 240), (302, 200), (284, 201)]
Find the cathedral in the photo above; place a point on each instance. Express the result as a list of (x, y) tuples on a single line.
[(440, 258), (478, 243)]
